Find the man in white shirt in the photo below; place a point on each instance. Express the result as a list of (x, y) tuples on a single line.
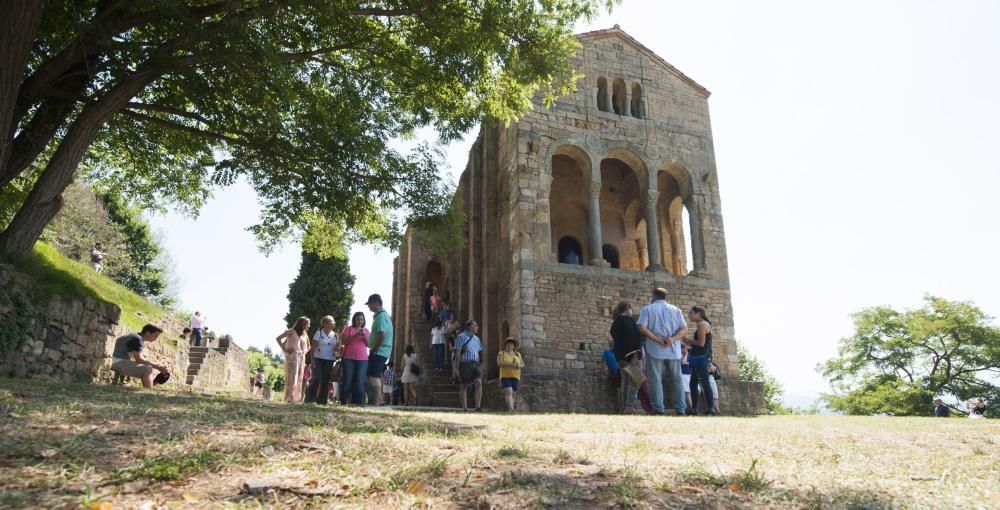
[(197, 325), (663, 326)]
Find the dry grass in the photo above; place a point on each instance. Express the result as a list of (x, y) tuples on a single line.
[(74, 446)]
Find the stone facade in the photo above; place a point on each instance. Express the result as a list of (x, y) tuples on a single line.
[(74, 341), (609, 193)]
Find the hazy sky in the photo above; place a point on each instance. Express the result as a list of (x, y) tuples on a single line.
[(857, 147)]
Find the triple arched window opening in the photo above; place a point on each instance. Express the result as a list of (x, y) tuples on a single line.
[(620, 100)]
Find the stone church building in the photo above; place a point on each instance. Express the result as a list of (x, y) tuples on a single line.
[(609, 193)]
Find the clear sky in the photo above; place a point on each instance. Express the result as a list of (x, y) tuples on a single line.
[(857, 146)]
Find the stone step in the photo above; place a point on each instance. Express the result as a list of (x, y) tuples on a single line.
[(200, 348), (197, 358), (190, 379), (445, 400)]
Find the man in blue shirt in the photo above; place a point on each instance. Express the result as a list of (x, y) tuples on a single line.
[(663, 327), (469, 352), (380, 348)]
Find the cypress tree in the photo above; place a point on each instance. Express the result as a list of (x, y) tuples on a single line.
[(323, 287)]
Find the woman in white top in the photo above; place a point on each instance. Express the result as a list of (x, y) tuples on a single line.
[(410, 377), (438, 345), (294, 343), (324, 352)]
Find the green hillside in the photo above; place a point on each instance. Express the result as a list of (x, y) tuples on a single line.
[(55, 275)]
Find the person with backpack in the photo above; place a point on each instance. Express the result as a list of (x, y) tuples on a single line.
[(469, 348)]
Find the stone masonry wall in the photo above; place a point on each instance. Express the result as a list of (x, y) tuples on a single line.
[(73, 340)]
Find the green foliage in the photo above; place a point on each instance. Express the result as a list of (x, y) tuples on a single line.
[(896, 362), (302, 100), (274, 371), (753, 369), (143, 274), (55, 275), (135, 257), (322, 287), (442, 233)]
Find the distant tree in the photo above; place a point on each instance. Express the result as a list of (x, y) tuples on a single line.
[(136, 259), (322, 287), (165, 100), (274, 372), (144, 273), (896, 362), (753, 369)]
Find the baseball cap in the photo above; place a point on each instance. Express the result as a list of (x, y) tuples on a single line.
[(374, 297)]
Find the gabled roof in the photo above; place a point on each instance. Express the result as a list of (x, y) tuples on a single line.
[(617, 32)]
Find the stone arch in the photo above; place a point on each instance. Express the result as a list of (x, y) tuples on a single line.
[(630, 157), (680, 173), (622, 191), (637, 108), (610, 254), (619, 97), (437, 272), (569, 198), (602, 93), (569, 246)]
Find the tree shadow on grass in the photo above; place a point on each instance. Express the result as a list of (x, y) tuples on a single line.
[(534, 488), (80, 435)]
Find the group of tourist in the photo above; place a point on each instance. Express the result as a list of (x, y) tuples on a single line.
[(654, 348), (363, 355)]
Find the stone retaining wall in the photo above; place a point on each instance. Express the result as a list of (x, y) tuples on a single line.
[(73, 340)]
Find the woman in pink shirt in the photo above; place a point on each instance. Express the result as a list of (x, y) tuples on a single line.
[(354, 339), (295, 343)]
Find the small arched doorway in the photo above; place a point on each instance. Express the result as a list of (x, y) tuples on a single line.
[(610, 254), (570, 251)]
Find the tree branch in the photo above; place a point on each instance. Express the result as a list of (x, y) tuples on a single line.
[(181, 127)]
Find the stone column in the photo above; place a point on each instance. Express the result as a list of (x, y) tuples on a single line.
[(697, 240), (596, 252), (653, 232)]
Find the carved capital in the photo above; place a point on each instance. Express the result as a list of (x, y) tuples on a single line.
[(652, 196), (595, 189)]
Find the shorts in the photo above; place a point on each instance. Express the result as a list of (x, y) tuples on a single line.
[(376, 365), (386, 388), (258, 385), (130, 368), (468, 371), (687, 382), (509, 382)]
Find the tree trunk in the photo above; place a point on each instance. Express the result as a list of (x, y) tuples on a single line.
[(45, 199), (17, 33)]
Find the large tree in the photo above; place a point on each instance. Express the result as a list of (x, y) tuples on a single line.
[(896, 362), (322, 287), (163, 100)]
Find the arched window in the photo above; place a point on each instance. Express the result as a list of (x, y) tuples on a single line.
[(570, 251), (602, 94), (618, 100), (637, 101), (610, 254)]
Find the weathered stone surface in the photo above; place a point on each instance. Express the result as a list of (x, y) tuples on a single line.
[(76, 339), (608, 173)]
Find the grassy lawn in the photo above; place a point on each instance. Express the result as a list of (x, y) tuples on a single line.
[(82, 445), (54, 274)]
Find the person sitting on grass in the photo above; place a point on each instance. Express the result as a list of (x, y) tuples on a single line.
[(510, 363), (128, 360)]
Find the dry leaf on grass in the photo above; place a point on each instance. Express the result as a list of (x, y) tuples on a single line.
[(48, 453)]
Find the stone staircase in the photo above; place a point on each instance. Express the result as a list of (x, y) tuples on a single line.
[(435, 388), (196, 358)]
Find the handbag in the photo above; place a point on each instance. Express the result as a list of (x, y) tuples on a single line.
[(336, 370), (415, 369), (633, 369)]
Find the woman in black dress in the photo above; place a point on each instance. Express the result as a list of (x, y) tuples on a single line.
[(627, 346)]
